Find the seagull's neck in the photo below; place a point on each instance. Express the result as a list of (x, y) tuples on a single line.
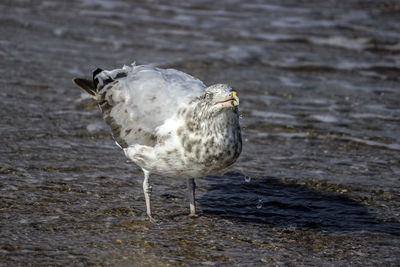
[(222, 123), (212, 140), (197, 118)]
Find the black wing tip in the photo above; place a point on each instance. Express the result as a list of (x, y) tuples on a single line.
[(95, 73)]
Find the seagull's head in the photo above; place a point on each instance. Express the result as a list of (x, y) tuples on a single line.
[(220, 96)]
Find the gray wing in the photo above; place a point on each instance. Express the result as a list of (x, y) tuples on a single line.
[(136, 100)]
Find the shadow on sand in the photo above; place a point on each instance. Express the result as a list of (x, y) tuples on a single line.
[(270, 201)]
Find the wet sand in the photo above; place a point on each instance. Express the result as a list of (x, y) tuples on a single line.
[(319, 177)]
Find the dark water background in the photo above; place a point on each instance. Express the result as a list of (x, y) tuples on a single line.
[(320, 98)]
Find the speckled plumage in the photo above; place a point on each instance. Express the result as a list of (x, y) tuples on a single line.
[(192, 143), (168, 122)]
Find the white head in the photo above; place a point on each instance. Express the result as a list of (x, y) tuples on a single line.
[(219, 97)]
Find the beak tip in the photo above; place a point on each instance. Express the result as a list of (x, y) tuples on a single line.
[(236, 101)]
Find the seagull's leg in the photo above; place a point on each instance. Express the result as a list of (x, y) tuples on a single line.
[(147, 192), (191, 192)]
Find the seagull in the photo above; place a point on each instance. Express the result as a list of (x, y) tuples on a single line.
[(168, 122)]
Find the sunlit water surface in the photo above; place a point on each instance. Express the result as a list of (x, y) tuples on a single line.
[(317, 182)]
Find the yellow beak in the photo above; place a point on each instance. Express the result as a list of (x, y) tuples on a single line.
[(236, 99)]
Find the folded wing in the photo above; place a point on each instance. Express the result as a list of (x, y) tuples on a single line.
[(136, 100)]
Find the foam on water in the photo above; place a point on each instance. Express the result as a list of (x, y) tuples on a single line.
[(272, 115), (343, 42), (325, 118)]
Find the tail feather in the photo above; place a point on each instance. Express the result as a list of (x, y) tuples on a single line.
[(86, 84), (90, 86)]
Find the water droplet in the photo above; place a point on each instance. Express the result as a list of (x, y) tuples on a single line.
[(240, 116), (247, 179), (246, 139), (259, 204)]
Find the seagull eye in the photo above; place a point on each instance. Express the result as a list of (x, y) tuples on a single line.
[(208, 95)]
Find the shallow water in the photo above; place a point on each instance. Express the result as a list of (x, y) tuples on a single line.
[(320, 103)]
